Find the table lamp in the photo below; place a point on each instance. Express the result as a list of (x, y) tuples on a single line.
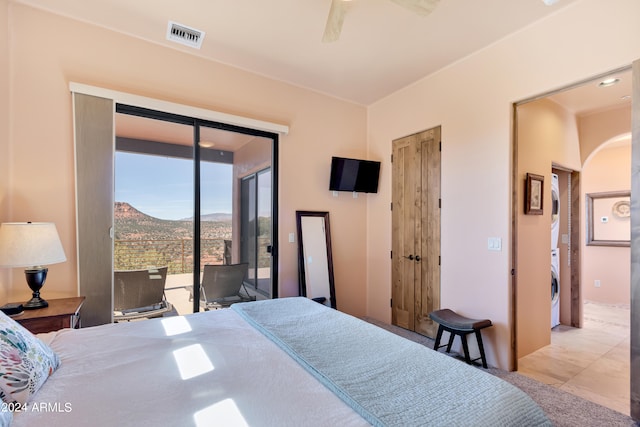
[(32, 245)]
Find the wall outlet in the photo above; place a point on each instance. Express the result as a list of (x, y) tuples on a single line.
[(596, 283)]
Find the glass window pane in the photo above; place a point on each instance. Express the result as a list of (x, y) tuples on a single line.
[(154, 190)]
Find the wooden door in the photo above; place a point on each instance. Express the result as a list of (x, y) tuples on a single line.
[(416, 231)]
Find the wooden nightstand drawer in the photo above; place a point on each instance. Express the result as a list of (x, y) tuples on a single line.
[(61, 313)]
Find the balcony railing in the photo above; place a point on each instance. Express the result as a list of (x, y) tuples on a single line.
[(177, 254)]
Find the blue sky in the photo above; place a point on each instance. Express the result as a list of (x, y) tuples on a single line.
[(163, 187)]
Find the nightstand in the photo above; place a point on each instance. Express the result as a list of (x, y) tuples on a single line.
[(61, 313)]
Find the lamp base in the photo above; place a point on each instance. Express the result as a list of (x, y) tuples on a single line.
[(34, 303), (35, 279)]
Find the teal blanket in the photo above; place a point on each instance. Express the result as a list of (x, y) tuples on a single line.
[(388, 380)]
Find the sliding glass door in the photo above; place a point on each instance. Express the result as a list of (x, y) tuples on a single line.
[(178, 202), (154, 201), (256, 229)]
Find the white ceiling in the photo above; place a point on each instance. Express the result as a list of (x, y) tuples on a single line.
[(383, 47), (590, 97)]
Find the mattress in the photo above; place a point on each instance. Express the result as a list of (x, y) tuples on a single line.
[(204, 369), (285, 362)]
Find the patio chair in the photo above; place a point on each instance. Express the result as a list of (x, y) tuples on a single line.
[(221, 285), (139, 294)]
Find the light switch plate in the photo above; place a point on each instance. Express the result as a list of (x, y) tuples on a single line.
[(494, 244)]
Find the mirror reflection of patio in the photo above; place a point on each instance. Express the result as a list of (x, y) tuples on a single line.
[(177, 291)]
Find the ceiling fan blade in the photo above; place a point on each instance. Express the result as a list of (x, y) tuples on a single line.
[(421, 7), (334, 21)]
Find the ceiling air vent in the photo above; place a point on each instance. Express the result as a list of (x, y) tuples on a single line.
[(184, 35)]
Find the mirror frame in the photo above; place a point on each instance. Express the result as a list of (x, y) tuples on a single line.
[(301, 264), (589, 198)]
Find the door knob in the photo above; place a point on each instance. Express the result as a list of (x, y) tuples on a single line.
[(410, 257), (418, 258)]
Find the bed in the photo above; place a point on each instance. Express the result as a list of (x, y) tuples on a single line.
[(282, 362)]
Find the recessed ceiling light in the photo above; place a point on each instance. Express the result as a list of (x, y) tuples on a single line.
[(609, 82), (549, 2), (206, 144)]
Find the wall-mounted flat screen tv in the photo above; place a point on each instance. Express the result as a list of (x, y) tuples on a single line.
[(360, 176)]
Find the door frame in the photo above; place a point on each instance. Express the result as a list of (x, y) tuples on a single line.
[(255, 176), (635, 243), (575, 202)]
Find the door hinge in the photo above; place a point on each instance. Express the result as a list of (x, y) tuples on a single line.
[(391, 254), (513, 271), (392, 158), (439, 259), (439, 203), (391, 205), (391, 302), (440, 146)]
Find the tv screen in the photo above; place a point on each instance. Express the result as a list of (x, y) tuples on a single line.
[(354, 175)]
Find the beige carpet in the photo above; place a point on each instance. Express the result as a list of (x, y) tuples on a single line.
[(562, 408)]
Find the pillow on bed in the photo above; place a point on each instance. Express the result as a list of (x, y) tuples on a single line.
[(25, 361)]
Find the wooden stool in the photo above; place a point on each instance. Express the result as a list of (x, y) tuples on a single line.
[(458, 325)]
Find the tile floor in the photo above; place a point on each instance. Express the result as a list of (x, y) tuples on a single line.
[(591, 362)]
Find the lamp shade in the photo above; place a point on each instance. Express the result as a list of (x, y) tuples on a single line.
[(30, 244)]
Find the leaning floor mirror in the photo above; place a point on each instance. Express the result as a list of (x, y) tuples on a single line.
[(315, 261)]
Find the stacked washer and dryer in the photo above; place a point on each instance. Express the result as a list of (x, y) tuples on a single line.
[(555, 252)]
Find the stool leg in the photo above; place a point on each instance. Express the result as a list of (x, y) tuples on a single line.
[(438, 337), (465, 347), (481, 348), (451, 337)]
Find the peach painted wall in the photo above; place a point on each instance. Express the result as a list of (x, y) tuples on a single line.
[(472, 101), (4, 134), (547, 134), (43, 62), (609, 169), (598, 128), (596, 131)]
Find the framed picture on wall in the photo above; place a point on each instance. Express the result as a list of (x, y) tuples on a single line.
[(608, 218), (533, 194)]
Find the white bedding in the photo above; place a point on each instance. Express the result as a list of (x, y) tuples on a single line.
[(266, 363), (129, 375)]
